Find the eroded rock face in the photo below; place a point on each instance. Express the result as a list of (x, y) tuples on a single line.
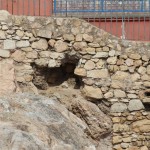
[(36, 122)]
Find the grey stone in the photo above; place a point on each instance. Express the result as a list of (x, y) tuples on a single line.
[(118, 107), (44, 33), (9, 44), (101, 55), (135, 105), (41, 44), (4, 53), (60, 46), (2, 35), (102, 73), (52, 63), (119, 93), (21, 44), (4, 15), (48, 122)]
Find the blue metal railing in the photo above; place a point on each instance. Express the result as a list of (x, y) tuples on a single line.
[(77, 6)]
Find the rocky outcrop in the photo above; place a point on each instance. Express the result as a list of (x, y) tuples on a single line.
[(36, 122)]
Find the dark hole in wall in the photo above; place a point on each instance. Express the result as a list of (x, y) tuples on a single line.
[(45, 77), (147, 106), (147, 93)]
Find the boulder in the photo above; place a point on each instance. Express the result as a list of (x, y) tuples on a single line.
[(40, 123)]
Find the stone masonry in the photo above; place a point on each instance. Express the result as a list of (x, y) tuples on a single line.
[(111, 69)]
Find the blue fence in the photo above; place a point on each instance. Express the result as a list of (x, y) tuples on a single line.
[(76, 6)]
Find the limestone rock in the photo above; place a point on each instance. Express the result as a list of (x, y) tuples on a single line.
[(4, 53), (133, 148), (78, 37), (92, 92), (117, 139), (80, 72), (101, 55), (4, 15), (20, 33), (88, 38), (68, 37), (121, 128), (135, 56), (51, 42), (100, 64), (32, 55), (52, 63), (148, 69), (59, 21), (44, 33), (89, 65), (118, 107), (103, 73), (135, 105), (142, 70), (144, 148), (9, 44), (90, 50), (129, 62), (7, 77), (2, 35), (141, 126), (80, 45), (60, 46), (119, 93), (120, 75), (52, 128), (42, 62), (21, 44), (18, 56), (112, 60), (45, 54), (41, 44)]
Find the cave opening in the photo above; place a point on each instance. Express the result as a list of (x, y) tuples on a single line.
[(45, 77), (147, 106), (147, 93)]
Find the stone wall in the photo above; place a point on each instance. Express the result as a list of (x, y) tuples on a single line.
[(111, 69)]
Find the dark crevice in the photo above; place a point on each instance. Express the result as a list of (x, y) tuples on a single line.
[(147, 106), (147, 94), (45, 77)]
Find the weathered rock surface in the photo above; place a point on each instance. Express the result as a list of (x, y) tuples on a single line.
[(36, 122)]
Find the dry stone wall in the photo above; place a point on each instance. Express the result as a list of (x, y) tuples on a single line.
[(111, 69)]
